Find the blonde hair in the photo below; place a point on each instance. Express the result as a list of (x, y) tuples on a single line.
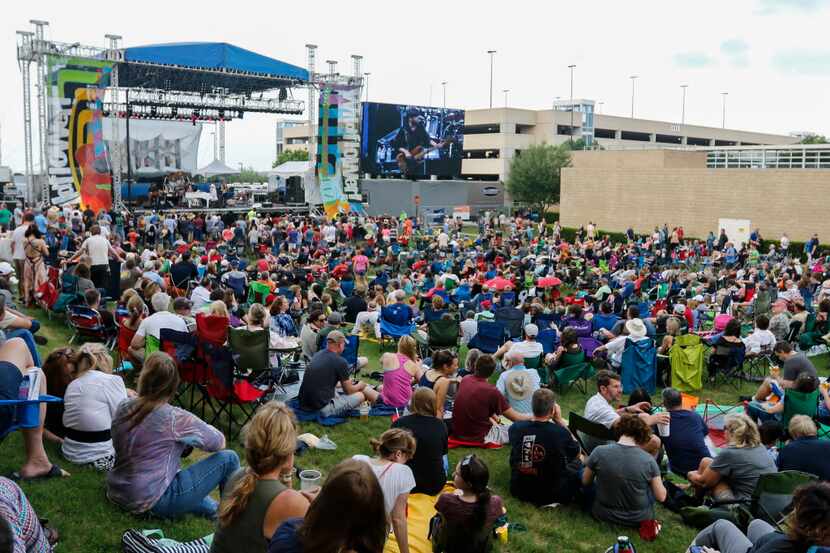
[(270, 439), (219, 308), (257, 314), (802, 426), (393, 440), (423, 402), (672, 326), (408, 346), (92, 356), (136, 307), (742, 431)]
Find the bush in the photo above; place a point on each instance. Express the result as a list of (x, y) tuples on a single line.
[(551, 217)]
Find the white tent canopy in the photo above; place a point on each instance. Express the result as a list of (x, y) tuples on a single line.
[(216, 168), (292, 169)]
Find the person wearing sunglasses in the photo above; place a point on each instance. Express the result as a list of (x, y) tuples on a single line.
[(308, 334)]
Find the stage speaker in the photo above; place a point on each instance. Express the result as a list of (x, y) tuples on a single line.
[(294, 193)]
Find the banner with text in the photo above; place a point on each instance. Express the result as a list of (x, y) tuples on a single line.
[(79, 168), (157, 148), (338, 147)]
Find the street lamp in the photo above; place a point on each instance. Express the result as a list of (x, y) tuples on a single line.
[(492, 53), (444, 85), (633, 79), (506, 90), (571, 67), (723, 120), (367, 84)]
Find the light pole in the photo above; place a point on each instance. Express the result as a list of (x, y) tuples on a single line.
[(723, 120), (367, 84), (491, 52), (633, 79), (444, 86), (571, 67), (506, 90), (683, 105)]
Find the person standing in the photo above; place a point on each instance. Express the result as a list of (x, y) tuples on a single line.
[(98, 249), (19, 249)]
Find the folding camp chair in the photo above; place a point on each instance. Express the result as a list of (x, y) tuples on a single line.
[(575, 374), (799, 403), (758, 364), (258, 293), (546, 320), (237, 284), (126, 360), (639, 366), (513, 320), (589, 434), (181, 347), (726, 363), (212, 329), (549, 339), (582, 327), (350, 351), (395, 323), (25, 413), (489, 337), (225, 391), (686, 361), (442, 334), (88, 325)]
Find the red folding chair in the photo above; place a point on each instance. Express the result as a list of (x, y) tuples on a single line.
[(225, 391)]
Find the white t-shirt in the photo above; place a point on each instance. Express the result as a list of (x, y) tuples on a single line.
[(200, 297), (759, 340), (528, 349), (89, 406), (616, 346), (153, 324), (443, 240), (18, 241), (597, 409), (98, 249), (395, 479)]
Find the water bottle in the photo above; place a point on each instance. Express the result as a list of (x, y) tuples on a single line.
[(624, 545)]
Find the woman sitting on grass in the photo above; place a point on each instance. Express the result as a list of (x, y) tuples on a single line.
[(627, 478), (429, 462), (259, 498), (150, 436), (440, 377), (467, 516), (394, 448), (328, 527), (90, 403)]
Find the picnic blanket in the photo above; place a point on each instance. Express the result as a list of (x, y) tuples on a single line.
[(419, 510), (304, 415), (452, 443)]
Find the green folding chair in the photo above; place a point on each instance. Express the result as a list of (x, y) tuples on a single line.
[(537, 364), (799, 403), (686, 362), (574, 375), (258, 293), (250, 349), (442, 334), (151, 344)]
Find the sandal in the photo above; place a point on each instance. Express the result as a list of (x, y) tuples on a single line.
[(52, 535), (54, 472)]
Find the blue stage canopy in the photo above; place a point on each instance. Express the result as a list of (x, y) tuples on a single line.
[(178, 66)]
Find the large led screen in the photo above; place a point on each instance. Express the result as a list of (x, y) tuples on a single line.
[(411, 141)]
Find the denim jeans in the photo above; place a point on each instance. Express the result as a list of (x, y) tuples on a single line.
[(188, 492), (26, 336)]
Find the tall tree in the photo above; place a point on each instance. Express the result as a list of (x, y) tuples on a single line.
[(814, 139), (291, 155), (535, 175)]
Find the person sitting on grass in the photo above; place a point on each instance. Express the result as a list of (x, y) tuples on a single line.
[(805, 452), (429, 462), (15, 363), (20, 529), (734, 472), (440, 377), (518, 383), (467, 516), (627, 478), (685, 444), (544, 455), (325, 370), (479, 406), (150, 435), (808, 525), (259, 498), (400, 371), (599, 409), (394, 449), (327, 526)]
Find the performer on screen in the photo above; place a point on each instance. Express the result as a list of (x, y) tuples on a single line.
[(412, 142)]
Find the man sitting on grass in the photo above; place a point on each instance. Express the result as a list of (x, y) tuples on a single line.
[(543, 455), (599, 409), (478, 406)]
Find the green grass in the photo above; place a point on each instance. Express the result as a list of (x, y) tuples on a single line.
[(78, 508)]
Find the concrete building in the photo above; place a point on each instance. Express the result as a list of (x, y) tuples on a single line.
[(780, 189)]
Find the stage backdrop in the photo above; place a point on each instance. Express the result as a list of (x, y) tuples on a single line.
[(338, 148), (78, 164), (157, 147)]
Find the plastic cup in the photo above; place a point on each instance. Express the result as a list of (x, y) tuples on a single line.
[(310, 479), (364, 412), (663, 429), (775, 371)]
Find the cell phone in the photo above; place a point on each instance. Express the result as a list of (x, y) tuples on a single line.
[(696, 549)]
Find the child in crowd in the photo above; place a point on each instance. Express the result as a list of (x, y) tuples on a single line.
[(772, 432)]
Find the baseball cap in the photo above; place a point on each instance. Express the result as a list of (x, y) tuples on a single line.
[(335, 318), (6, 268), (531, 330)]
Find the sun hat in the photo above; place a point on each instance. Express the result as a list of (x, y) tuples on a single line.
[(518, 385), (636, 328)]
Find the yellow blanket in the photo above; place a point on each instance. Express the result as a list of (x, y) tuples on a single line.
[(421, 508)]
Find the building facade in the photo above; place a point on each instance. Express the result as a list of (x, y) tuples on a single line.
[(647, 188)]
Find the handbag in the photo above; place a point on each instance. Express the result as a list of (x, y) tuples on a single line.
[(153, 541)]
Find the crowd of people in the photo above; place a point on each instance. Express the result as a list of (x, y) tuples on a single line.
[(312, 286)]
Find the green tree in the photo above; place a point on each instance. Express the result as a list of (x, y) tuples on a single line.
[(291, 155), (814, 139), (535, 175), (248, 174)]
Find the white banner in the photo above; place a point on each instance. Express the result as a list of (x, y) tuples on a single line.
[(157, 147)]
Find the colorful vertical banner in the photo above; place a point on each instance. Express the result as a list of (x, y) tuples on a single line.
[(79, 168), (338, 148)]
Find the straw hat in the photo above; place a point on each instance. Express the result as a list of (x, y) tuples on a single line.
[(518, 385), (636, 328)]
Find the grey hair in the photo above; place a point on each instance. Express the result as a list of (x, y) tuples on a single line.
[(672, 398)]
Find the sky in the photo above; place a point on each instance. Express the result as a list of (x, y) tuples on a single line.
[(771, 56)]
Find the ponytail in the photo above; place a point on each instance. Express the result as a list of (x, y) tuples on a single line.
[(238, 499), (482, 508)]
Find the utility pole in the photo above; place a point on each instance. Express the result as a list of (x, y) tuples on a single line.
[(633, 79), (492, 53), (723, 120), (571, 67)]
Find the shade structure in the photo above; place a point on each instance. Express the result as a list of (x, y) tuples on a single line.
[(216, 168)]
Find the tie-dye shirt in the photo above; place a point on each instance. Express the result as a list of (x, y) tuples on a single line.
[(148, 456), (27, 533)]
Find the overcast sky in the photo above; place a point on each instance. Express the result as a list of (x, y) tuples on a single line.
[(771, 56)]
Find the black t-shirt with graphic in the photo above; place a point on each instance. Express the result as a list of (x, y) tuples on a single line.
[(540, 452)]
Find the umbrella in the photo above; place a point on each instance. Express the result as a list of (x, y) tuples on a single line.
[(548, 282), (498, 283)]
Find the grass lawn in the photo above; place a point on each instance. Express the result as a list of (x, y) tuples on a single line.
[(78, 508)]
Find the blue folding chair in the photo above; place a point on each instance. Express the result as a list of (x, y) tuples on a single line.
[(395, 322), (350, 352), (25, 413), (549, 339), (639, 366), (460, 294), (347, 287), (546, 320), (237, 284), (490, 336)]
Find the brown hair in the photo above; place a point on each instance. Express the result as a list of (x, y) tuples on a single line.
[(604, 378), (810, 520), (633, 427), (158, 383), (270, 439), (409, 347), (362, 527), (423, 402), (57, 370), (257, 314), (393, 440), (136, 307)]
